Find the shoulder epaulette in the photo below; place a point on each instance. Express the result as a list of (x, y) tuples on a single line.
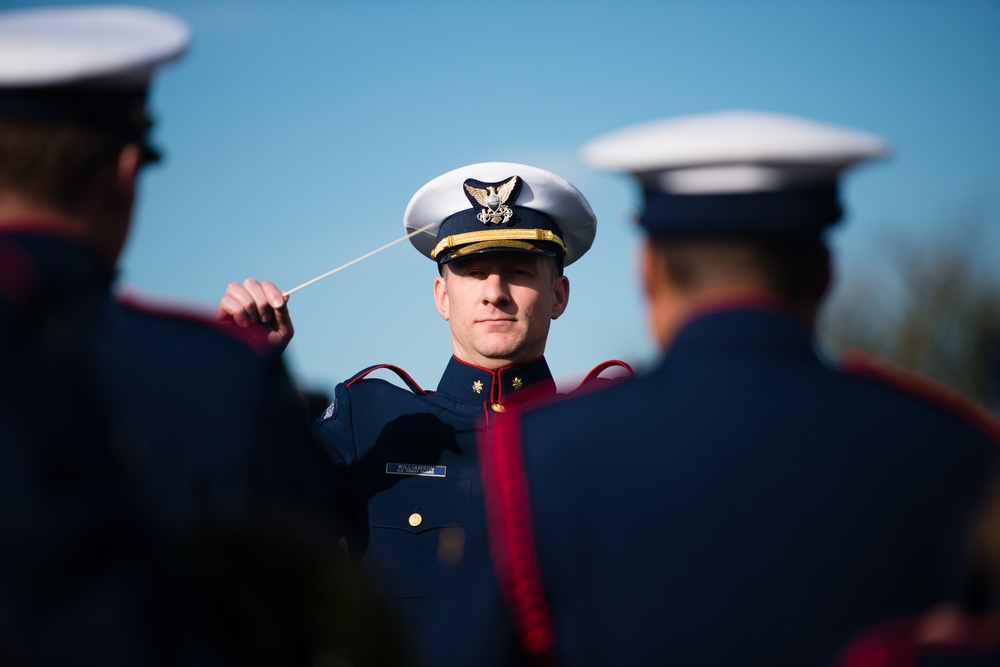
[(860, 363), (511, 537), (594, 376), (400, 373)]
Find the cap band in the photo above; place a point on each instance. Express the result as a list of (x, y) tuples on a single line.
[(107, 108), (495, 237), (122, 111), (804, 212), (505, 245)]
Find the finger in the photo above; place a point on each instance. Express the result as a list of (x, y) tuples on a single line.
[(237, 305), (259, 299), (274, 295), (279, 305)]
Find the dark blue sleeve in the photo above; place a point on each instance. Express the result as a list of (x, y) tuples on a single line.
[(333, 430), (288, 463)]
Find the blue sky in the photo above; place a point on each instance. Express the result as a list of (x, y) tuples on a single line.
[(296, 132)]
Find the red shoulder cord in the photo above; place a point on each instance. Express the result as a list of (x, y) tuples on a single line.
[(596, 371), (880, 370), (512, 544), (400, 373)]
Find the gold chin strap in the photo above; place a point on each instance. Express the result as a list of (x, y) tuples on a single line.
[(491, 238)]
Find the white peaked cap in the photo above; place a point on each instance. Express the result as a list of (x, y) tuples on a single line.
[(540, 190), (117, 45), (732, 151)]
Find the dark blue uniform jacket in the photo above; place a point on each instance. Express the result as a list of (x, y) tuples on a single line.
[(121, 426), (744, 503), (407, 466)]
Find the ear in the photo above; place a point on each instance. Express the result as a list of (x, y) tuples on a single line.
[(127, 172), (648, 274), (441, 296), (667, 304), (129, 163), (560, 294), (111, 201)]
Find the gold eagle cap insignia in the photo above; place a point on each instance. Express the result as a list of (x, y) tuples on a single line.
[(493, 199)]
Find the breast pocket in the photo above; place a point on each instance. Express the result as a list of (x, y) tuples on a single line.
[(417, 505), (415, 530)]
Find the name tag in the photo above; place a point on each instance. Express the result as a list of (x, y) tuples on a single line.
[(416, 469)]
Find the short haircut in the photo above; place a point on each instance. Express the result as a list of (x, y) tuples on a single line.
[(54, 163), (797, 269)]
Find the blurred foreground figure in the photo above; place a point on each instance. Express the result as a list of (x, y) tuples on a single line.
[(135, 446), (746, 502), (949, 634)]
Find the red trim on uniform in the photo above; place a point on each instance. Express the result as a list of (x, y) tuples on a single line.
[(18, 273), (250, 336), (866, 365), (900, 642), (512, 545), (495, 387), (499, 370), (890, 644), (53, 225), (737, 298), (400, 373), (486, 422), (509, 523), (596, 371), (19, 276)]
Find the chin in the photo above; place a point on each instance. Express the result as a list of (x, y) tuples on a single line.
[(511, 358), (498, 359)]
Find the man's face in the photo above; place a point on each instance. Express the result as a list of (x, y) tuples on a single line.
[(499, 306)]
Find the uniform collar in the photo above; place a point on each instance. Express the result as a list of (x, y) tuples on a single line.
[(750, 327), (472, 384), (48, 263)]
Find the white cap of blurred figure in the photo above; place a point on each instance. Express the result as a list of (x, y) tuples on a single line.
[(736, 172)]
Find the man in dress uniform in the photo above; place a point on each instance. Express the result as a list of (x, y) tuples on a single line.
[(500, 234), (123, 427), (747, 502)]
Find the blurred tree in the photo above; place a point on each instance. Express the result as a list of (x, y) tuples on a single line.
[(930, 306)]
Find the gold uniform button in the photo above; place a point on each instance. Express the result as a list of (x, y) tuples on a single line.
[(496, 407), (416, 519)]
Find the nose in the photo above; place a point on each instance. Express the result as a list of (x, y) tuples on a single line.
[(496, 291)]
